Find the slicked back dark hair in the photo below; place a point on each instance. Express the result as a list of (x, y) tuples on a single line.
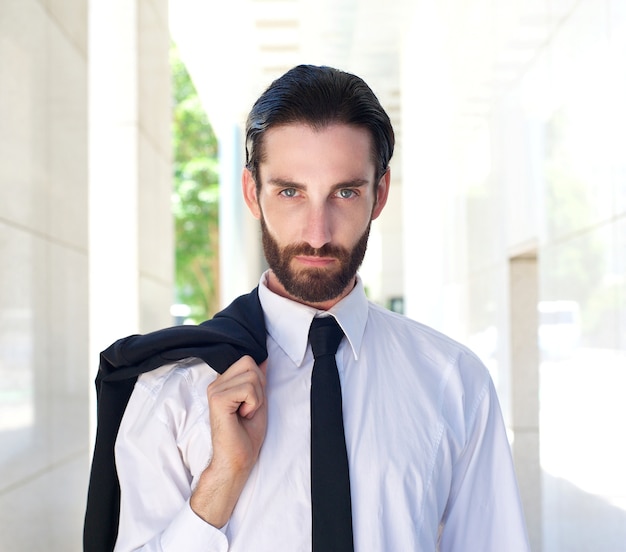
[(319, 97)]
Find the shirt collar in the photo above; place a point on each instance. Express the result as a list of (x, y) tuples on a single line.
[(288, 321)]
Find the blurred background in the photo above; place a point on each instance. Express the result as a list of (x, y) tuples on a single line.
[(120, 159)]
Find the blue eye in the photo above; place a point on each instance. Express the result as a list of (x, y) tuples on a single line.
[(346, 193), (288, 192)]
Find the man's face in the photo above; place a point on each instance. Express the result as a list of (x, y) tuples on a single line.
[(316, 204)]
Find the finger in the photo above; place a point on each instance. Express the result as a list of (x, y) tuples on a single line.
[(244, 365), (251, 377), (231, 395), (243, 393), (240, 372), (249, 408)]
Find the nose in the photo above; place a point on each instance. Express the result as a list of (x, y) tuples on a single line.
[(317, 230)]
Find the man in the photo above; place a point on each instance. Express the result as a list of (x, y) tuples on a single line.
[(218, 462)]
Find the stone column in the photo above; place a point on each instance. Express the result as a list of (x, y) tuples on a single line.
[(523, 289), (130, 222)]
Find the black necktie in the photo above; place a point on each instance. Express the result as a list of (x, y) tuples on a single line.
[(330, 481)]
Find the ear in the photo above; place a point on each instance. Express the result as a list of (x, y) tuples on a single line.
[(382, 192), (248, 186)]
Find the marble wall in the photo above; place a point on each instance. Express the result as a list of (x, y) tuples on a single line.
[(48, 251)]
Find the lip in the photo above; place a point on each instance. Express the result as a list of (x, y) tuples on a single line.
[(312, 261)]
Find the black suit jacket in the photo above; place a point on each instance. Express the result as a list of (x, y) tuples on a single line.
[(234, 332)]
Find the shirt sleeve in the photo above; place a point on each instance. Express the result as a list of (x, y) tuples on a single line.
[(484, 510), (152, 455)]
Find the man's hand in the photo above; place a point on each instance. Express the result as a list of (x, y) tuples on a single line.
[(238, 417)]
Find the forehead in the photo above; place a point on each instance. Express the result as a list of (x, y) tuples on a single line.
[(338, 147)]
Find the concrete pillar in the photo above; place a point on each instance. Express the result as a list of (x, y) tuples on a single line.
[(523, 289), (240, 255), (130, 222)]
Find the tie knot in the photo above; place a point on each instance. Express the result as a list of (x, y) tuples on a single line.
[(325, 335)]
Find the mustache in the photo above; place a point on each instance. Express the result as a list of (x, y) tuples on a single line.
[(327, 250)]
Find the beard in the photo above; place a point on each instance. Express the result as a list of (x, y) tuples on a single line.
[(314, 285)]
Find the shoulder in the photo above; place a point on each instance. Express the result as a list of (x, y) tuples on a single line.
[(416, 336), (457, 370), (171, 394)]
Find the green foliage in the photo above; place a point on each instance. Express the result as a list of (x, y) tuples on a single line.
[(195, 199)]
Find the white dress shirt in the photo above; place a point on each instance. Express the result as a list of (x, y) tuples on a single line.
[(430, 464)]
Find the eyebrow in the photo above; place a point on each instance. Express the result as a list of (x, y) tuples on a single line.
[(284, 183)]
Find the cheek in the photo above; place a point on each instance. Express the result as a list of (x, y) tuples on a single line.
[(355, 223), (280, 226)]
